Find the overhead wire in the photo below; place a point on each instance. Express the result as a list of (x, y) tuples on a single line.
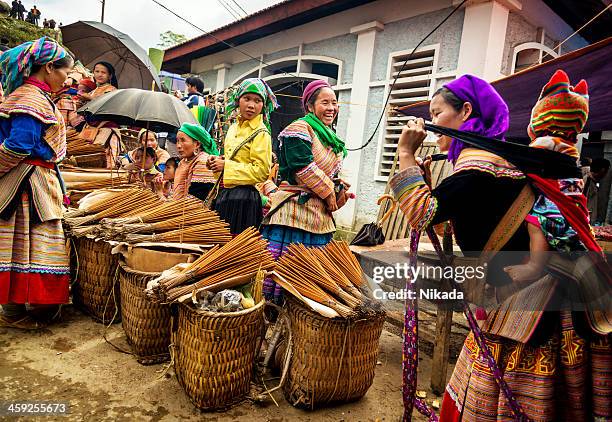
[(226, 7), (382, 114), (240, 7)]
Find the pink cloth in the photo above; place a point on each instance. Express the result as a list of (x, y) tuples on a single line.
[(310, 89)]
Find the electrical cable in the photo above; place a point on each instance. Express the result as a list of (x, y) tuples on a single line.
[(398, 74)]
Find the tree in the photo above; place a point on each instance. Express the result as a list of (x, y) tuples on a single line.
[(170, 39)]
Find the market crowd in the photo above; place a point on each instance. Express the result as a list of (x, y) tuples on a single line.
[(548, 363)]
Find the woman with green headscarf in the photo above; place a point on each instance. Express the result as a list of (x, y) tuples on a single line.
[(247, 156), (34, 264), (192, 176)]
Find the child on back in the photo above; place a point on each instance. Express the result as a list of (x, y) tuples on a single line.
[(556, 120)]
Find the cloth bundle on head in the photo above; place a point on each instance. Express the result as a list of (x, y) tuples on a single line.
[(17, 63), (254, 86), (111, 70), (309, 91), (490, 116), (199, 134), (559, 115)]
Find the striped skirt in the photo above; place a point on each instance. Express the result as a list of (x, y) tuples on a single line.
[(34, 262), (279, 238), (565, 377)]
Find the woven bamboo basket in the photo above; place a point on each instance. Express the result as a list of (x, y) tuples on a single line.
[(214, 354), (146, 324), (332, 360), (96, 290)]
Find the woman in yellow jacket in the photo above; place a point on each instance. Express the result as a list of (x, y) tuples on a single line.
[(247, 156)]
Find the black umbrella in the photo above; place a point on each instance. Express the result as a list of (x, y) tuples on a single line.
[(92, 42), (371, 234), (157, 111)]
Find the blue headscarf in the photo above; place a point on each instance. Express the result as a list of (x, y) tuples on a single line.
[(17, 63)]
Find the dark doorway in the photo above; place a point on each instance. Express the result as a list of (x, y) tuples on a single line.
[(288, 95)]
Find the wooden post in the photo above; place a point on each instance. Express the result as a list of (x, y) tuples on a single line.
[(444, 320)]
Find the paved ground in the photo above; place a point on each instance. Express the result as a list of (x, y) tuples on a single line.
[(71, 362)]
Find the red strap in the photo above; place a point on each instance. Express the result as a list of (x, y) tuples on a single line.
[(40, 163), (573, 208)]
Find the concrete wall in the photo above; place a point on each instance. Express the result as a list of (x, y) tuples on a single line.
[(210, 80), (519, 31), (405, 34), (341, 48)]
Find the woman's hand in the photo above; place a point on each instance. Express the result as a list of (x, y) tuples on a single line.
[(216, 164), (85, 96), (330, 202), (413, 134), (425, 166)]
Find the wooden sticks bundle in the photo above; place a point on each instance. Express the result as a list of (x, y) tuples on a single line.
[(340, 254), (316, 274), (239, 259), (113, 205)]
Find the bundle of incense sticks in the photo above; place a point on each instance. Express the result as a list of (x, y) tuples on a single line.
[(216, 232), (113, 205), (339, 253), (79, 146), (161, 212), (316, 275), (240, 259)]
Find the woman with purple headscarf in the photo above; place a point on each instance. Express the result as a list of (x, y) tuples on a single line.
[(480, 190), (541, 359), (310, 159)]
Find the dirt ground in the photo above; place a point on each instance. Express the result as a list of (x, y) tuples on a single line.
[(71, 362)]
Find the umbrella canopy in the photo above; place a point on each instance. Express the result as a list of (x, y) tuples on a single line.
[(137, 107), (92, 42)]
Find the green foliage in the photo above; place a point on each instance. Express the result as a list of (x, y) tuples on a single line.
[(17, 32), (170, 39)]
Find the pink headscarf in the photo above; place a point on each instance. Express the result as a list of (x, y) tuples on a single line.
[(310, 90)]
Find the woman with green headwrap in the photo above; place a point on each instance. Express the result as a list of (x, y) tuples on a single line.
[(34, 264), (248, 156), (192, 176)]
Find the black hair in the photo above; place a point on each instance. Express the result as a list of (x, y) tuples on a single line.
[(197, 82), (66, 61), (172, 162), (599, 164), (111, 72), (150, 152), (585, 161), (449, 96)]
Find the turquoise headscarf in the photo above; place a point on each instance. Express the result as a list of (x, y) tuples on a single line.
[(198, 133), (17, 63), (254, 86)]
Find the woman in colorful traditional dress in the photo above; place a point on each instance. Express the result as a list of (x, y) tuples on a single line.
[(310, 159), (247, 156), (552, 372), (34, 263), (192, 176), (103, 133)]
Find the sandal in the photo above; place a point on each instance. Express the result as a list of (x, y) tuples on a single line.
[(25, 322)]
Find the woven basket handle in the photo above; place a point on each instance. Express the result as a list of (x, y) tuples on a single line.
[(386, 216)]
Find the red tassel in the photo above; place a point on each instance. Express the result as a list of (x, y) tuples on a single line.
[(66, 200)]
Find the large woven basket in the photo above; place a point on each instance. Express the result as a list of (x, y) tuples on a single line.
[(332, 360), (96, 290), (146, 324), (215, 354)]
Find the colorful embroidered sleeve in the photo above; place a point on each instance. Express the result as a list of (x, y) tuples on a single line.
[(316, 180), (414, 197), (253, 169)]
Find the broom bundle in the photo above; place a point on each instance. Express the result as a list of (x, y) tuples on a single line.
[(240, 259)]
